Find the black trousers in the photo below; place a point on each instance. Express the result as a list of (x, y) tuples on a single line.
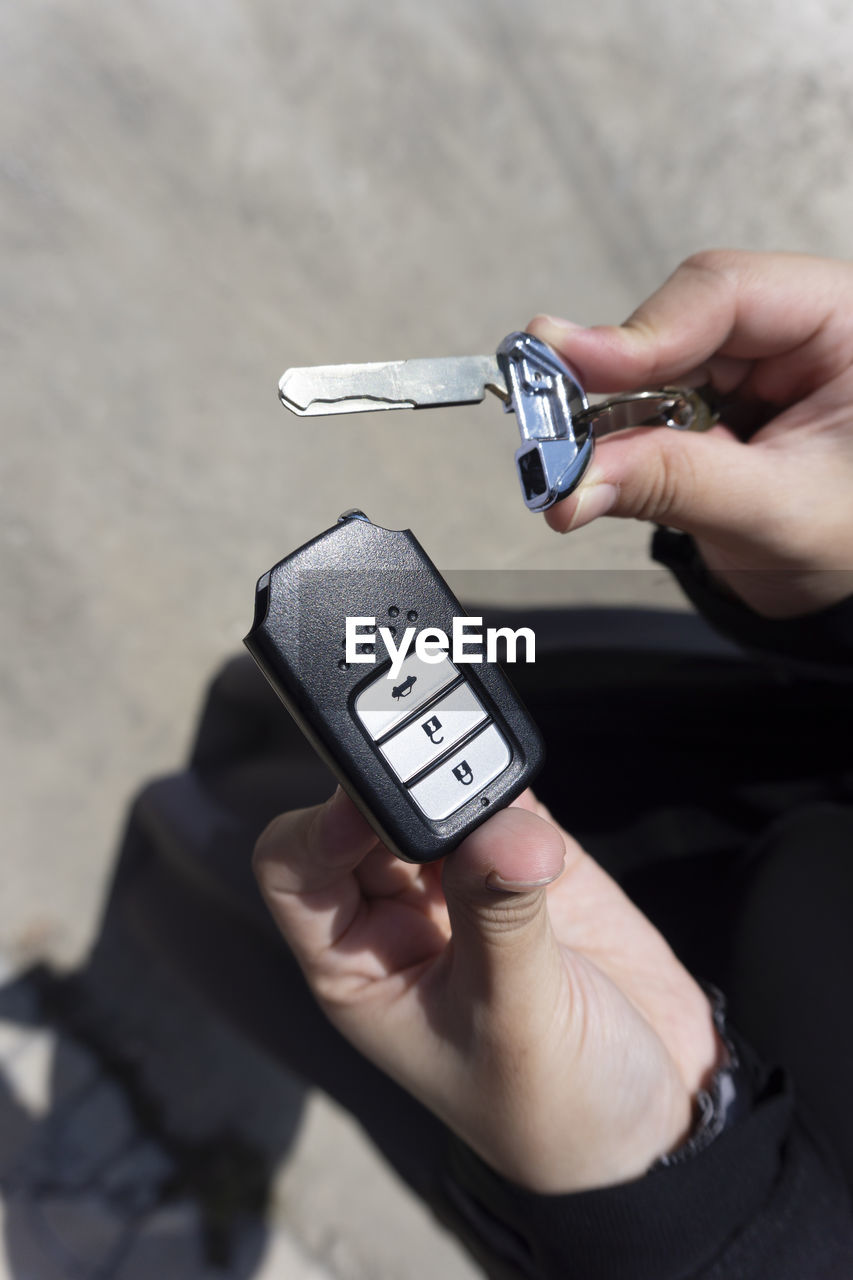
[(718, 789)]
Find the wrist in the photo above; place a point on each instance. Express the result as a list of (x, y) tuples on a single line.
[(778, 594), (608, 1130), (670, 1082), (725, 1098)]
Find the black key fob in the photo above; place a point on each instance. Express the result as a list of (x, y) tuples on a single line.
[(390, 681)]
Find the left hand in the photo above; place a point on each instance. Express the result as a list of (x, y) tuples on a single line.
[(771, 514), (513, 989)]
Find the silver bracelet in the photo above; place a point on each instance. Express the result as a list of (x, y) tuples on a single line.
[(728, 1097)]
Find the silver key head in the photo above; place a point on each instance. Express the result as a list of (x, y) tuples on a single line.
[(549, 403)]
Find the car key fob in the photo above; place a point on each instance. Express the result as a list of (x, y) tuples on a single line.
[(426, 736)]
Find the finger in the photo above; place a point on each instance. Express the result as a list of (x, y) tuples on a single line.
[(784, 311), (494, 886), (711, 485), (305, 864), (382, 875), (532, 804)]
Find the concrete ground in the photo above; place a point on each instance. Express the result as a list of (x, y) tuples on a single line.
[(198, 193)]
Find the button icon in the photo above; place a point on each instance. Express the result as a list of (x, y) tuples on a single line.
[(403, 690), (462, 773), (388, 700), (424, 740), (448, 786), (431, 727)]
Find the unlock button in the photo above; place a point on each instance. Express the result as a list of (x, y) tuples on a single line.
[(473, 767), (431, 734)]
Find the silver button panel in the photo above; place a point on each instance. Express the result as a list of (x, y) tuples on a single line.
[(473, 767), (432, 734), (415, 744)]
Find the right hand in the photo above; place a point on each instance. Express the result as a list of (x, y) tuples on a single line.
[(773, 516), (513, 988)]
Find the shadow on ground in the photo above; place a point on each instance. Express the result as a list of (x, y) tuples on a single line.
[(131, 1143)]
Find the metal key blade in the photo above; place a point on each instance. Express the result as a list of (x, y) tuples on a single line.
[(396, 384)]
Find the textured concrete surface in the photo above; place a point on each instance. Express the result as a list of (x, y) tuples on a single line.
[(197, 193), (141, 1138)]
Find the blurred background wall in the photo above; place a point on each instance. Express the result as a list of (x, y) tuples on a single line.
[(198, 193)]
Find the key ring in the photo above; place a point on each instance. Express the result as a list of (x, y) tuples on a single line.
[(680, 408)]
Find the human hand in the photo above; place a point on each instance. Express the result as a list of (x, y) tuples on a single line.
[(771, 516), (513, 989)]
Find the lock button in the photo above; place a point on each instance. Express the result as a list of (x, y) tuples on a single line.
[(463, 775)]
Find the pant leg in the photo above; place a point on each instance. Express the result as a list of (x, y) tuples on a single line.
[(665, 756), (793, 956)]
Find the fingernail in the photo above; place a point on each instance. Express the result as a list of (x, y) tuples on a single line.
[(341, 821), (593, 502), (497, 883), (336, 801), (559, 323)]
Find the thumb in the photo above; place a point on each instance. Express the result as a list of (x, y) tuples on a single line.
[(494, 886), (710, 484)]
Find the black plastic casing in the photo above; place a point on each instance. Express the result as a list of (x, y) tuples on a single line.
[(358, 569)]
